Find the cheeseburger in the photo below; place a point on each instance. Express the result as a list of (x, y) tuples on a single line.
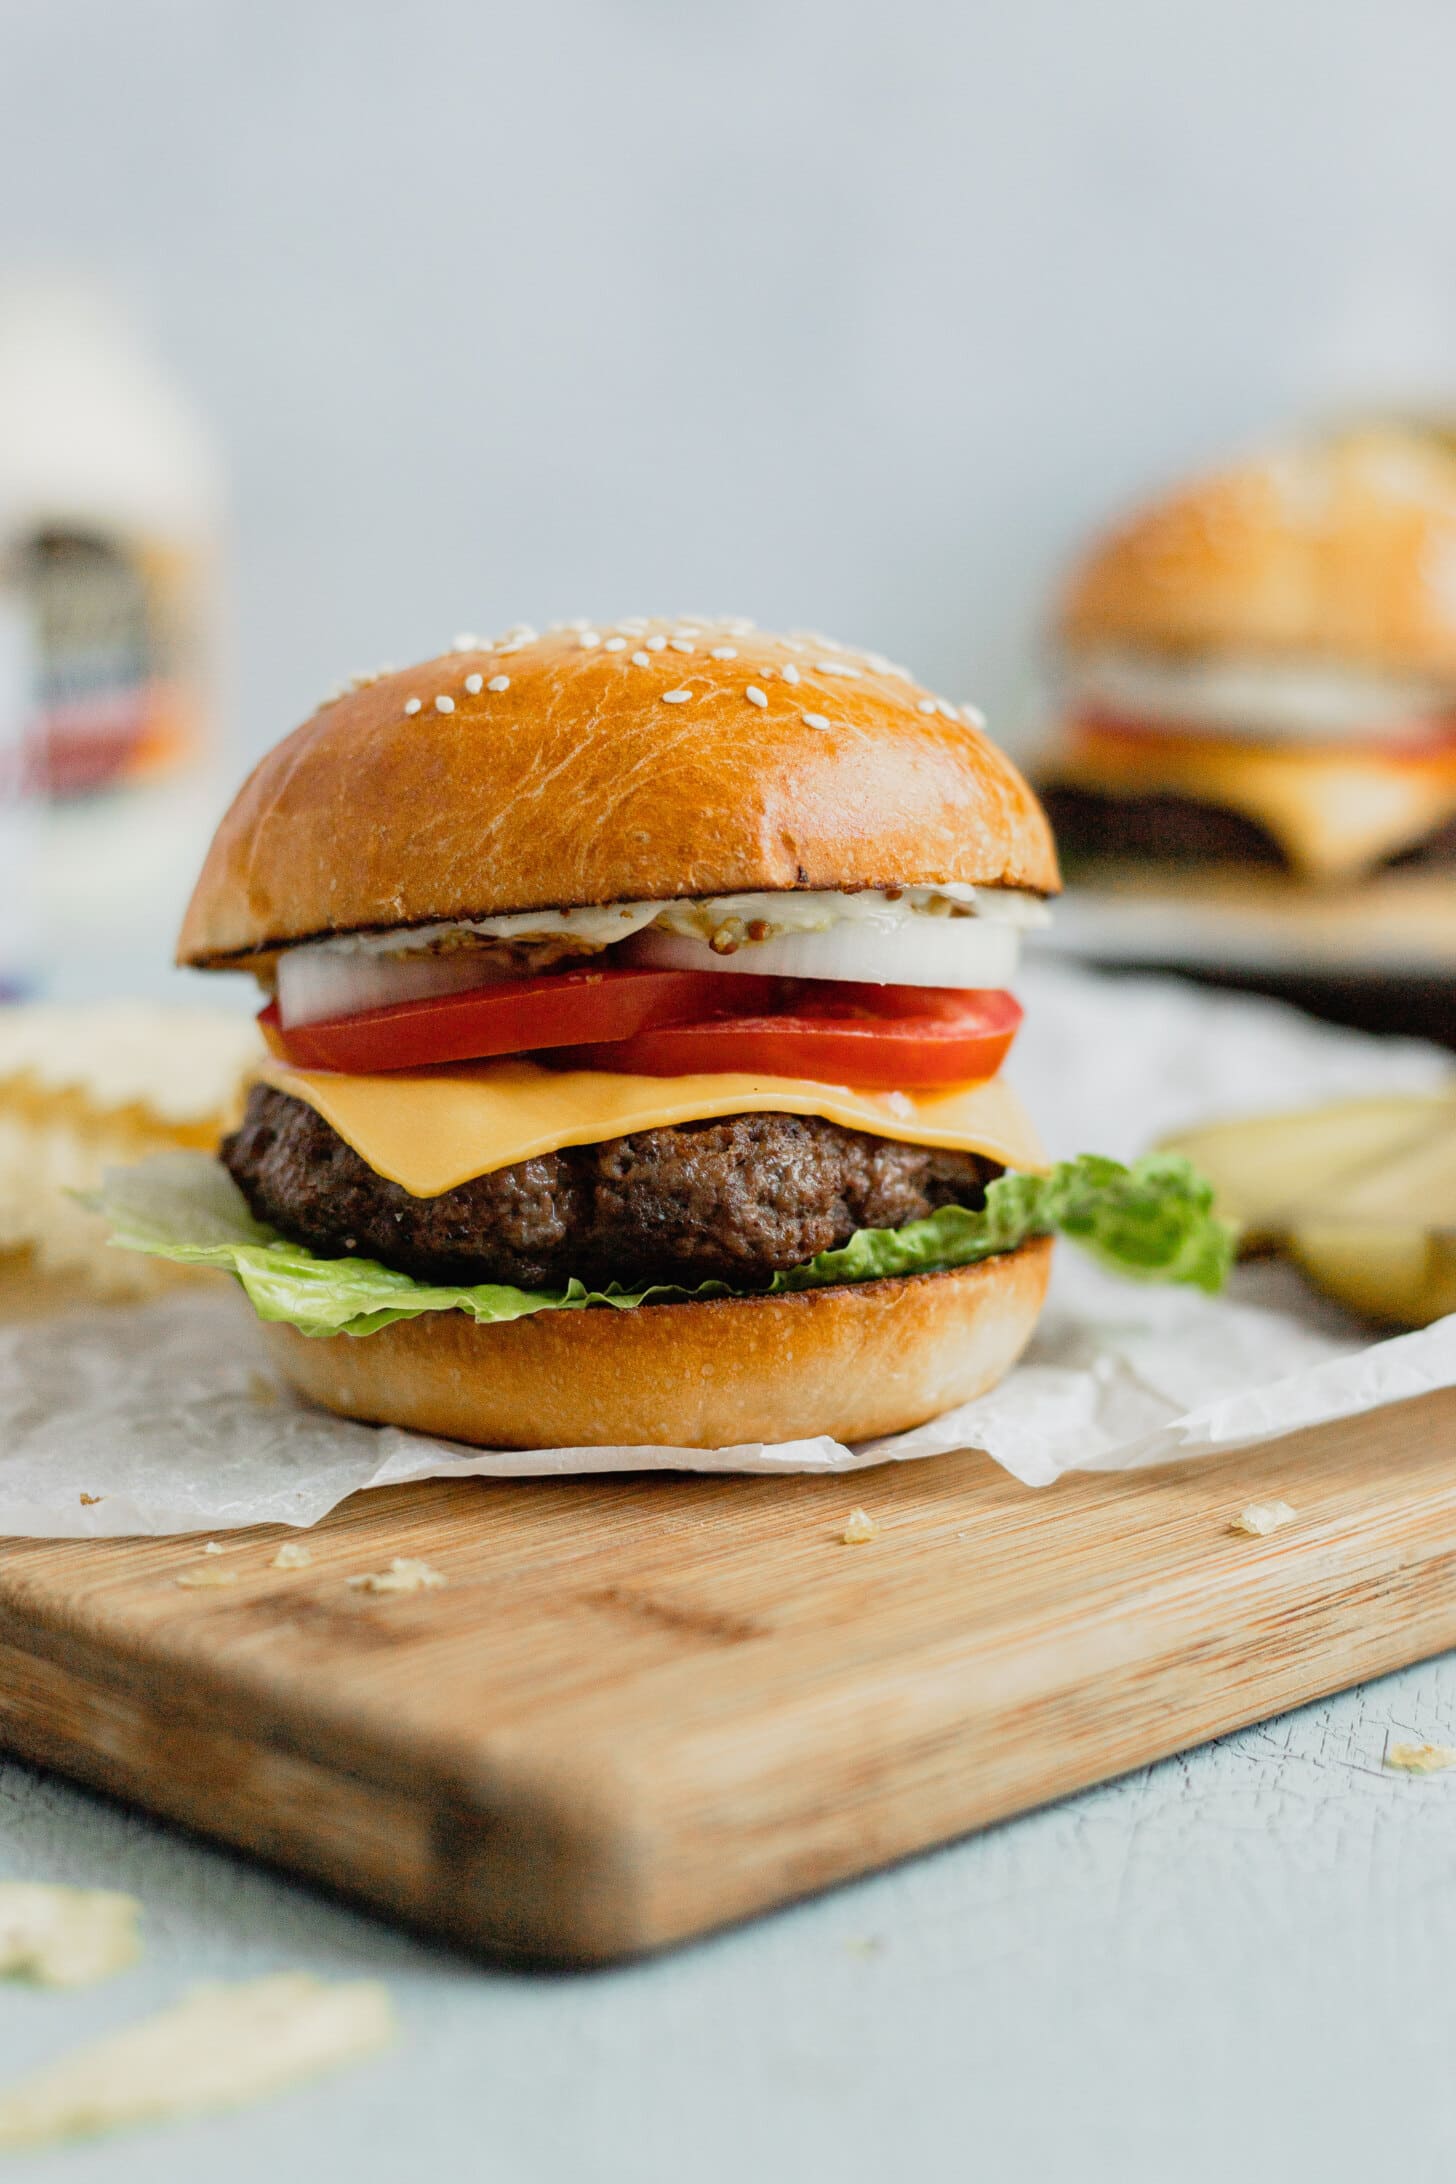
[(637, 996), (1261, 669)]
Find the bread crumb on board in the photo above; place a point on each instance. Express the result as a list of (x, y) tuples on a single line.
[(1259, 1519), (859, 1526), (206, 1573), (65, 1937), (221, 2046), (1419, 1758), (212, 1548), (293, 1555), (404, 1575)]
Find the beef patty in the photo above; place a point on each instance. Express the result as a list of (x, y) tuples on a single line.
[(738, 1199), (1172, 829), (1092, 826)]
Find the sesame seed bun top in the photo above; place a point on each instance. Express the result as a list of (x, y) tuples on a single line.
[(1341, 548), (615, 762)]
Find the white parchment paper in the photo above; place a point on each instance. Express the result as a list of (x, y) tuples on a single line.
[(165, 1418)]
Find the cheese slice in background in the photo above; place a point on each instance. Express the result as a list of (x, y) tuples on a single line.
[(1333, 811), (431, 1130)]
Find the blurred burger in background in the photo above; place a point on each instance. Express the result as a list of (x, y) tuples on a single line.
[(1261, 669), (1256, 712)]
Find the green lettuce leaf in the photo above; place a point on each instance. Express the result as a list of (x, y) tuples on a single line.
[(1154, 1220)]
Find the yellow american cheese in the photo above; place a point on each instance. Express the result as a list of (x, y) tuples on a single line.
[(1332, 810), (430, 1130)]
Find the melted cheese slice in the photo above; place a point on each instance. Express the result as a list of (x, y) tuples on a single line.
[(1332, 811), (430, 1130)]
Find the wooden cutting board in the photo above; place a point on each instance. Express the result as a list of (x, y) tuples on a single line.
[(645, 1706)]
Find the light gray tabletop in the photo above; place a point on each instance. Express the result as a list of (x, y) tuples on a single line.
[(1241, 1963)]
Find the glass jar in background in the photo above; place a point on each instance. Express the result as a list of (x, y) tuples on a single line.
[(19, 811), (110, 517)]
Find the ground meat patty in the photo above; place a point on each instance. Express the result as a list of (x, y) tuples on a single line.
[(1171, 829), (1437, 850), (1091, 827), (738, 1199)]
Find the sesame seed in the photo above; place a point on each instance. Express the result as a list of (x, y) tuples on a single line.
[(636, 623), (657, 644), (411, 705), (588, 640), (836, 667), (466, 643), (947, 711), (879, 663), (499, 682), (688, 629), (973, 715), (814, 720), (724, 652), (676, 697), (755, 696), (791, 673), (926, 705), (642, 659), (682, 644), (444, 705), (615, 644), (475, 684)]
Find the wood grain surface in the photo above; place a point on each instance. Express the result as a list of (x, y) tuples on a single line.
[(646, 1706)]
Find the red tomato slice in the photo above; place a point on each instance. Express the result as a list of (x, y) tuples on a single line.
[(669, 1023), (1422, 736), (900, 1039), (513, 1016)]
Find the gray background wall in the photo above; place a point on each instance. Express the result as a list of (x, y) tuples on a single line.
[(826, 313)]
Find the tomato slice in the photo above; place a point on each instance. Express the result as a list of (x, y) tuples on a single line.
[(512, 1016), (878, 1038), (669, 1023)]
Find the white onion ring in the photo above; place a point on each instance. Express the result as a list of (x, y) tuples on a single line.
[(872, 942), (918, 951), (317, 984)]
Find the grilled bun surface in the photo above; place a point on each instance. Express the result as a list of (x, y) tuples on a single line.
[(613, 763), (1343, 548)]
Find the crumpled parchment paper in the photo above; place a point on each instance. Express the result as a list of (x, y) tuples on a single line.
[(166, 1419)]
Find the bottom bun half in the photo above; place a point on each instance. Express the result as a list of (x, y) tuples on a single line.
[(853, 1362)]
